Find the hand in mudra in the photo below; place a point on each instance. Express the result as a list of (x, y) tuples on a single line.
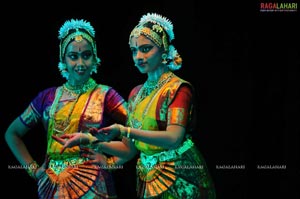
[(70, 140), (106, 134), (94, 157)]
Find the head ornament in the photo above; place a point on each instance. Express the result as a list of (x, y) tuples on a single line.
[(159, 29), (76, 29), (165, 23)]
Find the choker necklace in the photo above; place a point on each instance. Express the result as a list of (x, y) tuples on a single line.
[(80, 89), (151, 85)]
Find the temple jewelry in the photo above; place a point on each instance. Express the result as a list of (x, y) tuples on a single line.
[(164, 58), (78, 30), (159, 29), (61, 126), (150, 86), (80, 88), (165, 23), (165, 78)]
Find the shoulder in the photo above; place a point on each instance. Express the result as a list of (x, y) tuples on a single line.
[(175, 87), (181, 82), (47, 93), (44, 98), (49, 90), (104, 88), (108, 91), (135, 90)]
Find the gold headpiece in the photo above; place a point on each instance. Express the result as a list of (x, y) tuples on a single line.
[(159, 29), (75, 29)]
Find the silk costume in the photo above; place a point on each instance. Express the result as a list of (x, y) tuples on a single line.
[(66, 176), (163, 173)]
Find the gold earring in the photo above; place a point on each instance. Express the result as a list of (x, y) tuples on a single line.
[(164, 58)]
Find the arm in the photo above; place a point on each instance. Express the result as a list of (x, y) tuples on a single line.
[(118, 159), (171, 137), (122, 151), (20, 127), (13, 137)]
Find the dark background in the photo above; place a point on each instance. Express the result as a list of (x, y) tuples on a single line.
[(243, 63)]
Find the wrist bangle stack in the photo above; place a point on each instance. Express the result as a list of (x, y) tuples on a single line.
[(31, 169), (123, 132)]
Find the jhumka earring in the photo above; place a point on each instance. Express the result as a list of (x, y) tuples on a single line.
[(164, 58)]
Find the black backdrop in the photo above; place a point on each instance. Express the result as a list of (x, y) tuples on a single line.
[(243, 63)]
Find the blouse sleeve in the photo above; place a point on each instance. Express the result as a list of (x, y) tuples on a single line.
[(34, 112), (116, 106), (179, 109)]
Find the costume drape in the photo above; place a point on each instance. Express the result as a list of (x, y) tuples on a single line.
[(66, 176), (164, 173)]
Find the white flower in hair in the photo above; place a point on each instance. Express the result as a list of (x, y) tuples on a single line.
[(160, 20), (74, 24)]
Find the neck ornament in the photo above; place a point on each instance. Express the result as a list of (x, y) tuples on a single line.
[(79, 89), (143, 93)]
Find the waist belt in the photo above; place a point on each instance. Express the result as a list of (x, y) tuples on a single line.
[(59, 165), (149, 161)]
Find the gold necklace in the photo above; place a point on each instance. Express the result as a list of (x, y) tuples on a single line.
[(60, 126), (141, 96), (63, 125), (144, 91), (149, 86), (79, 89)]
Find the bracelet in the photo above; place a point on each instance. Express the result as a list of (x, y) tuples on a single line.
[(110, 162), (31, 169), (91, 138), (122, 131), (128, 132)]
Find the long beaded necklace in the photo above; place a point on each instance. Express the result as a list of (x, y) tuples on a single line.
[(62, 125), (143, 93)]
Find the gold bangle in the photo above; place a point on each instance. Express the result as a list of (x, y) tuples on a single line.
[(91, 138), (122, 131), (110, 162), (128, 132)]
